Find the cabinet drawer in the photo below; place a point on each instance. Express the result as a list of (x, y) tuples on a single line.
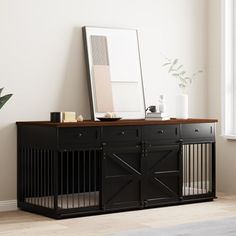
[(121, 134), (191, 131), (160, 132), (78, 135)]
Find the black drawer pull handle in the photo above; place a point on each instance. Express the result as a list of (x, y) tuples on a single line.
[(196, 130), (80, 135), (160, 132), (122, 132)]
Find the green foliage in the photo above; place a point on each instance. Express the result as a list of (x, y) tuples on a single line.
[(4, 99), (175, 69)]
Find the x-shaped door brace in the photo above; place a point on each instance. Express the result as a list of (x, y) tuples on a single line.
[(127, 167), (161, 159)]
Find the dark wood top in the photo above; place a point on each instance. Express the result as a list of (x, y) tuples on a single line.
[(118, 123)]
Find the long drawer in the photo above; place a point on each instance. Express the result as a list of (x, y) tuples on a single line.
[(195, 131), (81, 135), (158, 133), (121, 134)]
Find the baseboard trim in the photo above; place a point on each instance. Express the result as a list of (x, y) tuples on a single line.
[(10, 205)]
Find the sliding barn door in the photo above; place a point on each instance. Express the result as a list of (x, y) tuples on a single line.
[(163, 175), (121, 177)]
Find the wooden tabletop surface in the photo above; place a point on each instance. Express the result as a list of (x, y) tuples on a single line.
[(118, 123)]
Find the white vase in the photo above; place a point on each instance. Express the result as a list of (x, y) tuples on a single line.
[(182, 106)]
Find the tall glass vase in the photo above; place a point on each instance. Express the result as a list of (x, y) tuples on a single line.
[(182, 106)]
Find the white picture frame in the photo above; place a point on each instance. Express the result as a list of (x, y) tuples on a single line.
[(114, 72)]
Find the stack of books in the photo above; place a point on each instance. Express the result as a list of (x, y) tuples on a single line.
[(157, 116)]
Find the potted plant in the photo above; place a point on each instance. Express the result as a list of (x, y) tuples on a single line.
[(177, 71), (4, 99)]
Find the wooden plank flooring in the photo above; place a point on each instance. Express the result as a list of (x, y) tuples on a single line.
[(20, 223)]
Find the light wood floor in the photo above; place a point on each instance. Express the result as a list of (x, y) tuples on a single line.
[(19, 223)]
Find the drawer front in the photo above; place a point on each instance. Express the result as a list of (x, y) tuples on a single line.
[(121, 133), (161, 132), (192, 131), (68, 136)]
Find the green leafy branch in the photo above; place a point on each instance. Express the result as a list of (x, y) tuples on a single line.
[(176, 69), (4, 99)]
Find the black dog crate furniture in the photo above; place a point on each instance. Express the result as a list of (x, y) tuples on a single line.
[(72, 169)]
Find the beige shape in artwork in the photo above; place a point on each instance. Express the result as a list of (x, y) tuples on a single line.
[(103, 88)]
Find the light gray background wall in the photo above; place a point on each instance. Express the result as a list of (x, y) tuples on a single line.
[(42, 59)]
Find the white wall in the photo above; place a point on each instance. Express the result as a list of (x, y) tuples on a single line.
[(42, 60)]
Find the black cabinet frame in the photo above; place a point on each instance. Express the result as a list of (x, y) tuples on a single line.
[(72, 171)]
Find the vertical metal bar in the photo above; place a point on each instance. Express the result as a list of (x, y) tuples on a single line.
[(202, 145), (73, 177), (197, 167), (213, 167), (35, 176), (186, 168), (44, 175), (184, 171), (25, 188), (55, 178), (210, 167), (95, 177), (52, 180), (21, 172), (205, 167), (189, 170), (47, 178), (89, 176), (25, 170), (62, 177), (41, 176), (84, 176), (67, 179), (31, 174), (181, 168), (79, 155), (193, 167)]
